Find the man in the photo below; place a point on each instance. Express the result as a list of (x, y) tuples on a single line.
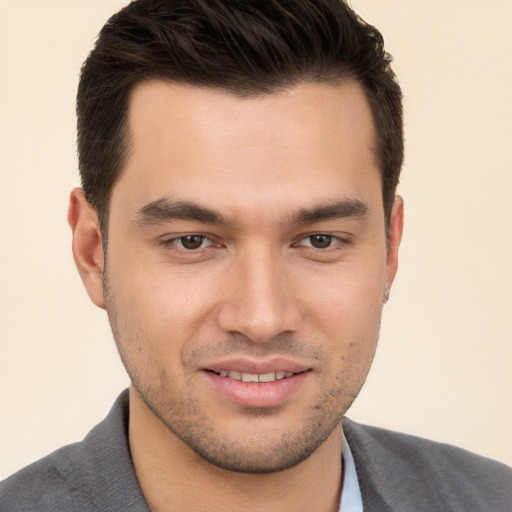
[(238, 222)]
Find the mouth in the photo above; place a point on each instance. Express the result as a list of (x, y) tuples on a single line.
[(257, 377), (256, 385)]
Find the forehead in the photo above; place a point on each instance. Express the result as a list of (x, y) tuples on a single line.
[(202, 144)]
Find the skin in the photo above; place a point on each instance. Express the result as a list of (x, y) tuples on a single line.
[(260, 286)]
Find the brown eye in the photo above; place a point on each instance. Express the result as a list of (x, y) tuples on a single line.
[(320, 241), (191, 242)]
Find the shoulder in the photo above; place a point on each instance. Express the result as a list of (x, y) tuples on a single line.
[(41, 485), (415, 470), (94, 475), (412, 450)]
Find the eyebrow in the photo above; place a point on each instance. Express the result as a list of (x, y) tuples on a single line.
[(348, 208), (166, 210)]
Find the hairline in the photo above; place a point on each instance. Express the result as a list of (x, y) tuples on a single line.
[(125, 133)]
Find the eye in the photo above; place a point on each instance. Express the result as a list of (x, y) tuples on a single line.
[(319, 241), (192, 242)]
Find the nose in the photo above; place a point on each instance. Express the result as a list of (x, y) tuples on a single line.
[(259, 301)]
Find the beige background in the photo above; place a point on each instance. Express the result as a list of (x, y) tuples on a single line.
[(444, 365)]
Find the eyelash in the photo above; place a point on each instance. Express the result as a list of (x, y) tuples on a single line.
[(173, 242), (176, 243), (334, 241)]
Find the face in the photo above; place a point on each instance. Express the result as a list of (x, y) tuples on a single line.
[(247, 266)]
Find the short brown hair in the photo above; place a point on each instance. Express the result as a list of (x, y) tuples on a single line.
[(246, 47)]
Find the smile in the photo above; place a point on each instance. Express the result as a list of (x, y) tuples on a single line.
[(255, 377), (263, 389)]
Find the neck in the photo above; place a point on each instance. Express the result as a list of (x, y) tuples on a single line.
[(173, 477)]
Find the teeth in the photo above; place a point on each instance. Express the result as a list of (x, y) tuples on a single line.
[(249, 377), (267, 377), (255, 377)]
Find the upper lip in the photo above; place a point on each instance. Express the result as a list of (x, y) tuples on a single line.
[(246, 365)]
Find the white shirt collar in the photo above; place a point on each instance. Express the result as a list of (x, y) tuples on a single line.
[(351, 500)]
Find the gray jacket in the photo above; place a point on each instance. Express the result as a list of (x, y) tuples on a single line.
[(396, 473)]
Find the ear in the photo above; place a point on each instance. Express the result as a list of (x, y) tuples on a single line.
[(395, 230), (87, 245)]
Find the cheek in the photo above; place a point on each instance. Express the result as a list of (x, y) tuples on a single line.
[(347, 313), (349, 297), (160, 294), (160, 316), (178, 304)]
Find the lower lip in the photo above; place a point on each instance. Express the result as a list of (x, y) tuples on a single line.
[(254, 394)]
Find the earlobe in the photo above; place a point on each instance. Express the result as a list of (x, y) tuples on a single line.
[(395, 230), (87, 245)]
